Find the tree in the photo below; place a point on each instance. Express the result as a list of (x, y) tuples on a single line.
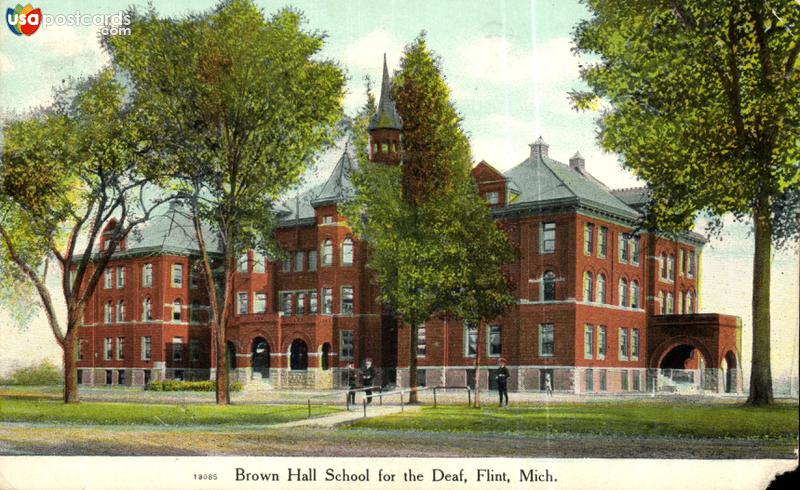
[(239, 104), (420, 219), (704, 105), (70, 173)]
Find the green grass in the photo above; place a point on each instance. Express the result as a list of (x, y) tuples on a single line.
[(44, 410), (673, 419)]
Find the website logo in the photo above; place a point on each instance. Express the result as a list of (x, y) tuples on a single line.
[(24, 20)]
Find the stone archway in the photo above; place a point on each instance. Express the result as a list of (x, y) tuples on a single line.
[(681, 365), (260, 357), (730, 371)]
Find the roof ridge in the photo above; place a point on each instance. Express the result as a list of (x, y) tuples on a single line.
[(555, 174)]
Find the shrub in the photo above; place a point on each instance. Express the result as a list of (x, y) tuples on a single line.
[(176, 385), (43, 373)]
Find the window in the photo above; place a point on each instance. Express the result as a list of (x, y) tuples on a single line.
[(120, 277), (109, 376), (259, 302), (634, 294), (671, 268), (108, 276), (670, 304), (662, 302), (242, 303), (421, 340), (662, 265), (635, 250), (624, 248), (588, 287), (347, 300), (327, 219), (108, 312), (176, 310), (546, 343), (602, 242), (107, 348), (327, 301), (385, 147), (547, 243), (80, 376), (637, 381), (681, 262), (120, 348), (589, 378), (549, 286), (346, 344), (147, 309), (312, 260), (347, 251), (301, 304), (120, 311), (623, 344), (195, 269), (177, 349), (146, 345), (242, 263), (689, 302), (286, 303), (601, 288), (588, 341), (299, 258), (601, 342), (259, 262), (588, 238), (623, 292), (623, 379), (194, 312), (312, 303), (603, 380), (194, 349), (495, 341), (492, 198), (692, 264), (681, 296), (177, 275), (287, 264), (470, 339), (635, 344), (147, 276), (327, 252)]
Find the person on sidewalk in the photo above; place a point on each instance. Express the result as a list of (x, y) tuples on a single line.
[(351, 383), (502, 381), (367, 378), (548, 385)]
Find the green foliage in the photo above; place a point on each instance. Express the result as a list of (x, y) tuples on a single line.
[(45, 373), (176, 385), (704, 100)]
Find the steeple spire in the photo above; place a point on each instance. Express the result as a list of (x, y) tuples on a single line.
[(386, 117), (385, 126)]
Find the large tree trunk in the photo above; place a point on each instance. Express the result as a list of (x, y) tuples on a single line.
[(412, 364), (223, 388), (761, 373), (70, 348)]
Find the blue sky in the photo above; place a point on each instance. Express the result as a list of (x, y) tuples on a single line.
[(509, 66)]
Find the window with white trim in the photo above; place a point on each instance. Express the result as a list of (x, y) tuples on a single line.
[(623, 293), (287, 264), (301, 304), (421, 340), (242, 303), (346, 344), (601, 288), (634, 294), (347, 251), (601, 342), (147, 309), (286, 303), (671, 268), (692, 266), (327, 252), (147, 275), (635, 344), (624, 248), (108, 278), (120, 348), (243, 266), (635, 250), (312, 260), (312, 303), (120, 277), (347, 300), (176, 310), (470, 339), (546, 340), (548, 286), (492, 198), (327, 301), (602, 242), (177, 275), (299, 258), (177, 348), (670, 304), (259, 262), (120, 311), (588, 287), (690, 302), (495, 346), (146, 346), (547, 242), (259, 302), (588, 238), (108, 348), (588, 341), (623, 344), (108, 312)]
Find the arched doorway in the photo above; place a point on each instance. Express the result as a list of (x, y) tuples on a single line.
[(325, 362), (729, 370), (298, 355), (682, 368), (231, 355), (260, 357)]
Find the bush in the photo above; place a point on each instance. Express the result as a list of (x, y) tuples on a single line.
[(44, 373), (176, 385)]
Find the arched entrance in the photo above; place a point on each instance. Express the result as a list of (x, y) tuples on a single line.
[(298, 355), (729, 369), (231, 354), (681, 368), (260, 357), (325, 361)]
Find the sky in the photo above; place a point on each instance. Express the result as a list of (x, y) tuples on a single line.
[(509, 65)]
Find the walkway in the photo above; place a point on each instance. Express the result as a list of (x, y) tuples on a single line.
[(346, 416)]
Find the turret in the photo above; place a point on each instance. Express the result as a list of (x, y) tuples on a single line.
[(385, 126)]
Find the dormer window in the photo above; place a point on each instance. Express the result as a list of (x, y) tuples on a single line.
[(493, 198)]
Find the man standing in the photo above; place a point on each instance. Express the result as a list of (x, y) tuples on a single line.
[(368, 377), (548, 385), (502, 381), (351, 383)]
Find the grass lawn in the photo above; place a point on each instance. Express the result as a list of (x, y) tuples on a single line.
[(46, 410), (620, 418)]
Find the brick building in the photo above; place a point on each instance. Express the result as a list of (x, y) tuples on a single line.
[(601, 305)]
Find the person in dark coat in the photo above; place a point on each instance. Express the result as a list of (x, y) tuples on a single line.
[(502, 382), (368, 378), (351, 383)]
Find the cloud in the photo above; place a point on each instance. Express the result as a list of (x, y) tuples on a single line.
[(70, 42), (366, 53), (5, 64)]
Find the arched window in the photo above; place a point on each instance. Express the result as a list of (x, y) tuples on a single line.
[(549, 286), (176, 310), (327, 252), (634, 294), (662, 302), (108, 312), (147, 275), (347, 251), (689, 302), (121, 311), (623, 293), (601, 288), (670, 304), (588, 286), (671, 268), (147, 309), (298, 356), (662, 264)]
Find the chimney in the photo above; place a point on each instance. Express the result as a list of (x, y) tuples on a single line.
[(538, 149), (577, 162)]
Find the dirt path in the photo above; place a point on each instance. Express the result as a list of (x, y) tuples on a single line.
[(346, 416)]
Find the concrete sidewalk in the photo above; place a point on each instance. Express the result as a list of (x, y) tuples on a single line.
[(347, 416)]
